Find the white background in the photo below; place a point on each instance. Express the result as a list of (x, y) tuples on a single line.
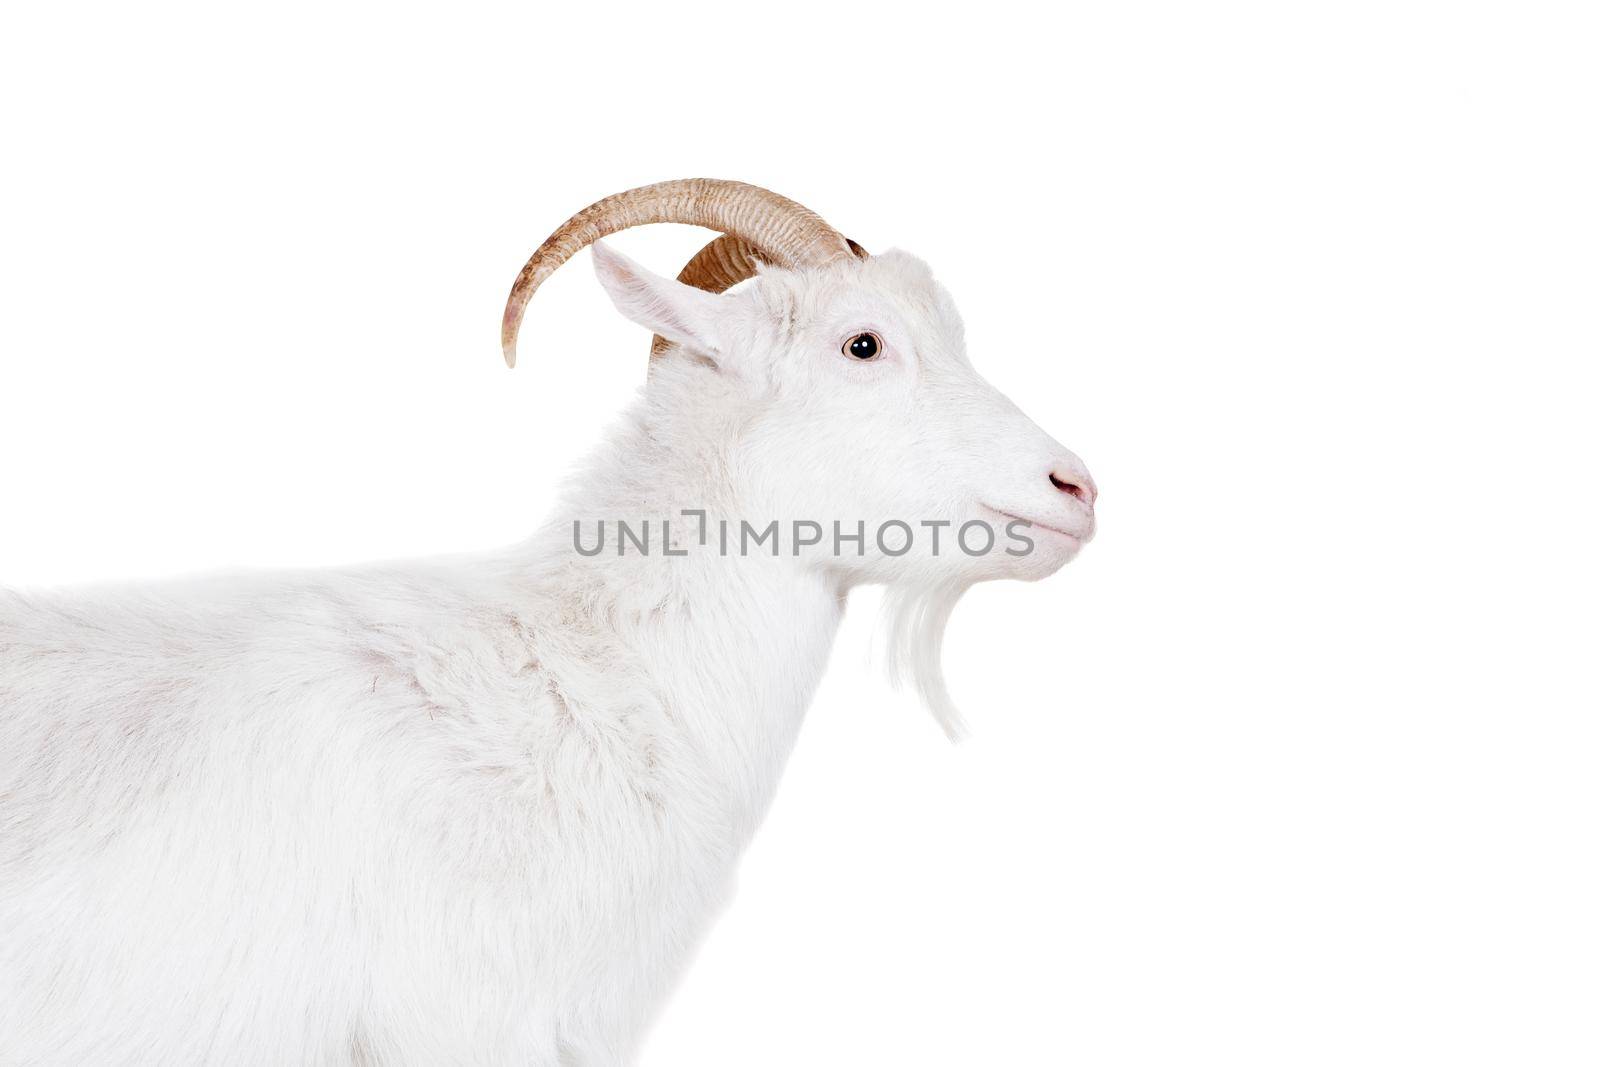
[(1296, 765)]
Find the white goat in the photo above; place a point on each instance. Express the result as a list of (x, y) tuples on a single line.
[(478, 811)]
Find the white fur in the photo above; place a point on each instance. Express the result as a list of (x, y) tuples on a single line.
[(479, 811)]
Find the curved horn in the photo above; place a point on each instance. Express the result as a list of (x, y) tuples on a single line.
[(722, 264), (785, 233)]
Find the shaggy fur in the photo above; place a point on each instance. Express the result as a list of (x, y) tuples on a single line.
[(479, 811)]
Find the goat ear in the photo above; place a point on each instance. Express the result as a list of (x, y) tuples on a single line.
[(676, 311)]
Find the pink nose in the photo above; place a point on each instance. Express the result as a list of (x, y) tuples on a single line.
[(1074, 483)]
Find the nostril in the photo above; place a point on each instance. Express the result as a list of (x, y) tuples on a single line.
[(1079, 488), (1070, 488)]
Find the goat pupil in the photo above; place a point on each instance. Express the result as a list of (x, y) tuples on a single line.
[(865, 346)]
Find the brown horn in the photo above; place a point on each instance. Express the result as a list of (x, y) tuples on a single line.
[(786, 234)]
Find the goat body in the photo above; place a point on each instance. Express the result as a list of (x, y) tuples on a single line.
[(474, 812)]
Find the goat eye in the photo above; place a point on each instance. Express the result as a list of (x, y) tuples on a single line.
[(863, 346)]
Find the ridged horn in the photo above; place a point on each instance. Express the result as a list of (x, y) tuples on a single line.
[(772, 227)]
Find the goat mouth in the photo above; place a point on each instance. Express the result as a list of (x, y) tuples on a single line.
[(1035, 523)]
